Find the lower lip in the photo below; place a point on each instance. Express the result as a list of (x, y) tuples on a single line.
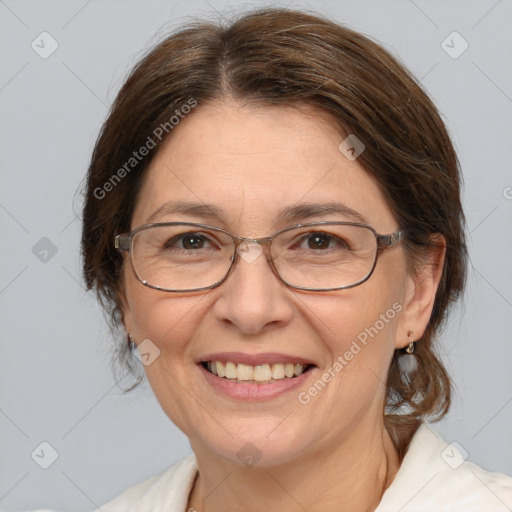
[(254, 392)]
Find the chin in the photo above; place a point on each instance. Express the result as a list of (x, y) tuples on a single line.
[(266, 445)]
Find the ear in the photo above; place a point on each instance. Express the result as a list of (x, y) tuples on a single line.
[(420, 294)]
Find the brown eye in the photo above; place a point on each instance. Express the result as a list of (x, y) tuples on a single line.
[(322, 241), (187, 241), (193, 242), (319, 241)]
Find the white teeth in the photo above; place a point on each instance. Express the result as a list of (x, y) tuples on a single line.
[(278, 371), (262, 372), (244, 372), (259, 373), (221, 369), (230, 370)]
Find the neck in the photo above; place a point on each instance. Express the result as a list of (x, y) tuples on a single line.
[(350, 476)]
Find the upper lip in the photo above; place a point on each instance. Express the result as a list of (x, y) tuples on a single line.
[(255, 359)]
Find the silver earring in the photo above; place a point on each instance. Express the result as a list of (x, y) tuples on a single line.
[(408, 363), (130, 342)]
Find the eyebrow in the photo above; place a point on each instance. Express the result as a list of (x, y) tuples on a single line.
[(309, 210), (289, 214), (187, 208)]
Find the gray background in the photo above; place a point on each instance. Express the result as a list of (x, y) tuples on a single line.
[(56, 383)]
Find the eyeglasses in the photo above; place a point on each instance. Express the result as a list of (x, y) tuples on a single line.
[(319, 256)]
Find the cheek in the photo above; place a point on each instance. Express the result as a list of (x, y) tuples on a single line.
[(359, 337), (152, 313), (168, 320), (362, 331), (356, 333), (358, 327)]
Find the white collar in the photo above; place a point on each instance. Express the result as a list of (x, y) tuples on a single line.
[(432, 477)]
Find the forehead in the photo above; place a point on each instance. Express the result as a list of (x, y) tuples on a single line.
[(251, 161)]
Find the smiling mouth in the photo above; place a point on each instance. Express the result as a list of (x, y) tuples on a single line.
[(259, 374)]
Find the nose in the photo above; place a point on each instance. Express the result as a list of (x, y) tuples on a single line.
[(253, 299)]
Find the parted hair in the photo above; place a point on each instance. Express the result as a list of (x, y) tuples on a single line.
[(274, 57)]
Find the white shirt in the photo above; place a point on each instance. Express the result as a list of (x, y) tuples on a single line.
[(433, 477)]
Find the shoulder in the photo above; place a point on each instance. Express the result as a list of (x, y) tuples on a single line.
[(160, 492), (165, 492), (434, 475)]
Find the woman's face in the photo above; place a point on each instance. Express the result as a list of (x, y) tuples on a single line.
[(250, 163)]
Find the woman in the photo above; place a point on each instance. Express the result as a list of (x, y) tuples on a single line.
[(273, 218)]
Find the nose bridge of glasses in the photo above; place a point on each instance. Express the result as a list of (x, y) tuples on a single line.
[(239, 240), (249, 249)]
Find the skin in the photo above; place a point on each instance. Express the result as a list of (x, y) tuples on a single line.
[(335, 449)]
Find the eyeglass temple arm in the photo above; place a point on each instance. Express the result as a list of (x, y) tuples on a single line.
[(122, 242), (390, 240)]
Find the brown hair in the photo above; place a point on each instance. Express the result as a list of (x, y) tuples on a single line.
[(287, 57)]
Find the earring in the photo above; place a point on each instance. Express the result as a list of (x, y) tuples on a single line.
[(130, 342), (408, 362)]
